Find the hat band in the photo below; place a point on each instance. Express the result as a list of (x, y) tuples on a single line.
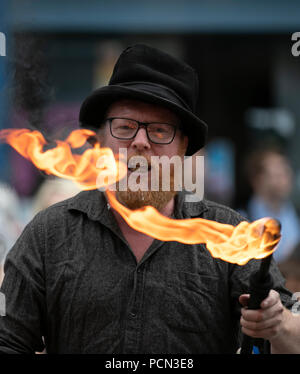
[(158, 90)]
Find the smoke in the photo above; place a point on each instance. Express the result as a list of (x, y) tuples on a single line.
[(31, 88)]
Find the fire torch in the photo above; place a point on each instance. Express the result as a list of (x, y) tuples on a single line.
[(261, 282)]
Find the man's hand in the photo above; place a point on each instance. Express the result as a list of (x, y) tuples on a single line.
[(268, 322)]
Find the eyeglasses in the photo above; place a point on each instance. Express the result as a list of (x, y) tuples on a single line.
[(126, 129)]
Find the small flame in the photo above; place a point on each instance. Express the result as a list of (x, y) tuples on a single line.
[(235, 244), (83, 169)]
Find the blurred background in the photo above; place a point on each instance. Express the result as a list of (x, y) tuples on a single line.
[(57, 52)]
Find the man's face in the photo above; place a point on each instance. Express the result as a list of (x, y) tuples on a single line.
[(140, 145), (276, 179)]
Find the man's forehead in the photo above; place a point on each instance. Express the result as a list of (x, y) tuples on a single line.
[(144, 111)]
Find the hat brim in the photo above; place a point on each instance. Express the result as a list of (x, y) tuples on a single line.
[(94, 107)]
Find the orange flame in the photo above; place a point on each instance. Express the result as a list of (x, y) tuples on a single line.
[(235, 244), (60, 161), (232, 244)]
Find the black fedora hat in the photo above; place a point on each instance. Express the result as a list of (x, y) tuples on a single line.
[(147, 74)]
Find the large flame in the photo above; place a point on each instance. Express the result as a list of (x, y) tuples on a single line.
[(232, 244), (235, 244), (83, 169)]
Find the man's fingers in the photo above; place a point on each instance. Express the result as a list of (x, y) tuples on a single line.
[(261, 325), (259, 315), (264, 322), (243, 299), (270, 300)]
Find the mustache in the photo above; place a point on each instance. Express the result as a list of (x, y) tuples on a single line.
[(141, 162)]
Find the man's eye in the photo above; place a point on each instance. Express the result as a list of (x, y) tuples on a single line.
[(125, 127), (158, 130)]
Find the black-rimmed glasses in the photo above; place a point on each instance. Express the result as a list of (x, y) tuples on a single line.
[(126, 129)]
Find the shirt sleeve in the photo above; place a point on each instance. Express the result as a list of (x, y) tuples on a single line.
[(23, 287)]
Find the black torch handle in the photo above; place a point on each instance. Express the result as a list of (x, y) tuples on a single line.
[(259, 290)]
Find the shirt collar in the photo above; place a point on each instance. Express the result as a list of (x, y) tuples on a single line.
[(94, 205), (188, 209)]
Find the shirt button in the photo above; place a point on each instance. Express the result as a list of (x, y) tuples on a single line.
[(133, 314)]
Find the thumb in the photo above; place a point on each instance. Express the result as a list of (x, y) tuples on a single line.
[(243, 299)]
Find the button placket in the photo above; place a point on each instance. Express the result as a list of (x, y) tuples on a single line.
[(137, 292), (133, 325)]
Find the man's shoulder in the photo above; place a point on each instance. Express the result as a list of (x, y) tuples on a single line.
[(83, 202), (55, 223), (54, 211)]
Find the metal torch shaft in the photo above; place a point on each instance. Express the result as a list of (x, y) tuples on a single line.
[(260, 285)]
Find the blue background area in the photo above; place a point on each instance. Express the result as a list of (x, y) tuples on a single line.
[(157, 16)]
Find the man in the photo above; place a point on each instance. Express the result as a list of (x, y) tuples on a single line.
[(271, 179), (80, 277)]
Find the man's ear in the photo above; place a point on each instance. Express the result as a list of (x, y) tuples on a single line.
[(97, 138), (92, 140)]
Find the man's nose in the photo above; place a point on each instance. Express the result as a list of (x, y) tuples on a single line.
[(141, 141)]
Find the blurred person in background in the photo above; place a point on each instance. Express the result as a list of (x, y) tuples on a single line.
[(271, 178), (12, 222), (53, 191), (290, 269)]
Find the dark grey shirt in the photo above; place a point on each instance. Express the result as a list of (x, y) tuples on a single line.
[(72, 278)]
